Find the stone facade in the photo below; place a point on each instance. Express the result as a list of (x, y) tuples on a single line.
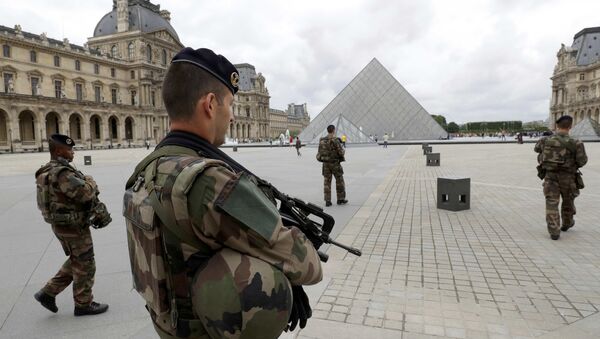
[(106, 93), (576, 79)]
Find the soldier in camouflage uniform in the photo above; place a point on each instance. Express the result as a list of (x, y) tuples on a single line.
[(208, 250), (331, 154), (65, 197), (560, 156)]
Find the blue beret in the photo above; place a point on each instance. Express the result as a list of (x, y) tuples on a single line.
[(215, 64), (563, 118), (62, 139)]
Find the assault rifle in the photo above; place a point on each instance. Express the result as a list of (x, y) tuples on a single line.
[(298, 213)]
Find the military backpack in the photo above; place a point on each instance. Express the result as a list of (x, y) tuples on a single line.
[(155, 235)]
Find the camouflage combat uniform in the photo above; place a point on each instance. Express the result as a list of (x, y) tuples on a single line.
[(561, 156), (69, 195), (236, 260), (331, 154)]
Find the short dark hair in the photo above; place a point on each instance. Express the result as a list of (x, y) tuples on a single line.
[(564, 122), (330, 129), (184, 85)]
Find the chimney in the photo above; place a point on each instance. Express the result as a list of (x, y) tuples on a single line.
[(165, 15), (122, 16)]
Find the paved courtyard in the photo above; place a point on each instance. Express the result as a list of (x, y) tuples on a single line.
[(489, 272)]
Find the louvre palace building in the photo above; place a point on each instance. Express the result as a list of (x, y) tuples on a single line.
[(576, 79), (107, 93)]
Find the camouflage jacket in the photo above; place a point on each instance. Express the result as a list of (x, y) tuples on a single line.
[(560, 152), (64, 194), (212, 208), (330, 150)]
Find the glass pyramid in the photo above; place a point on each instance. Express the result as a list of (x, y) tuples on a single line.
[(587, 129), (377, 103)]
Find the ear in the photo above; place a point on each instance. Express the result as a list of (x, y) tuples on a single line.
[(209, 104)]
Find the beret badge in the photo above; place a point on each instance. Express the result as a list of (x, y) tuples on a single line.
[(235, 79), (69, 141)]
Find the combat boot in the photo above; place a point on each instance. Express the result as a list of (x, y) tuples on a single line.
[(554, 236), (342, 202), (327, 203), (566, 228), (48, 301), (91, 309)]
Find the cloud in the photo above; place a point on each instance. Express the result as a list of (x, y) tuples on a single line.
[(468, 59)]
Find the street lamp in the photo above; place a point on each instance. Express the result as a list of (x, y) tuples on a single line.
[(10, 137)]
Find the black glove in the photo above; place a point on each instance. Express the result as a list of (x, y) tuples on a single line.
[(301, 310)]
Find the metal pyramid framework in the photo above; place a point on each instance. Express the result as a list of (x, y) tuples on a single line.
[(587, 129), (377, 103), (344, 127)]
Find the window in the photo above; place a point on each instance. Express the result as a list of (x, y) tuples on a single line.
[(6, 51), (32, 56), (113, 72), (113, 51), (8, 83), (35, 81), (96, 69), (133, 94), (582, 76), (97, 95), (148, 53), (56, 61), (113, 95), (164, 57), (153, 97), (132, 74), (77, 65), (79, 92), (131, 51), (58, 89)]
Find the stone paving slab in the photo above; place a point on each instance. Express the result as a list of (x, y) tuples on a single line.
[(489, 272)]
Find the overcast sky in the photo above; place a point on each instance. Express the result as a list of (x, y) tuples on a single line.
[(469, 60)]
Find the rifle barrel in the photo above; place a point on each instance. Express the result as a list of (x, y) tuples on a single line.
[(352, 250)]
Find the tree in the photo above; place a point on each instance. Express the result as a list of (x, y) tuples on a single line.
[(453, 127), (440, 119)]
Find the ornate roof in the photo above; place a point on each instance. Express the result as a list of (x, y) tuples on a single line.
[(143, 16)]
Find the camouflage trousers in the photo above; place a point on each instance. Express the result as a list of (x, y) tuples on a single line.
[(558, 186), (335, 169), (237, 296), (79, 268)]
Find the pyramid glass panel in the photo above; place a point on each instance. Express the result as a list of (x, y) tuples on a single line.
[(587, 129), (375, 103)]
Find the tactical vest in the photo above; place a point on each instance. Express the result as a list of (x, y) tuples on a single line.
[(326, 152), (158, 227), (56, 208), (558, 154)]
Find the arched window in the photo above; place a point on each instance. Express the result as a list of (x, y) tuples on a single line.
[(113, 51), (148, 53), (131, 51), (164, 57)]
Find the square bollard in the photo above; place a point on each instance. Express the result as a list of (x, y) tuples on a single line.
[(427, 149), (433, 159), (235, 148), (454, 194), (87, 160), (424, 145)]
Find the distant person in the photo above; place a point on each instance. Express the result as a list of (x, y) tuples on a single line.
[(331, 154), (68, 201), (298, 146), (385, 140), (560, 159), (376, 138), (344, 140)]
